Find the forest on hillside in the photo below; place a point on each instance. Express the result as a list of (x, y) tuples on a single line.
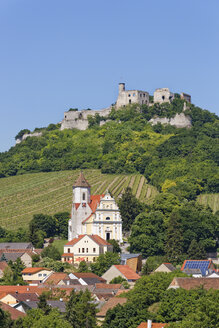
[(183, 161)]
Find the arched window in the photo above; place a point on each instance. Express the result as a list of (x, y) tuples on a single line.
[(107, 218), (83, 196)]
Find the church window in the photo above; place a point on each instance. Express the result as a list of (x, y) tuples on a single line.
[(87, 259), (107, 218), (83, 196), (79, 250), (130, 101), (82, 250), (87, 250), (94, 259), (129, 95), (94, 250), (163, 97), (133, 94), (68, 250)]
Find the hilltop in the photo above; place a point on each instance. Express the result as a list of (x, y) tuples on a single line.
[(183, 161)]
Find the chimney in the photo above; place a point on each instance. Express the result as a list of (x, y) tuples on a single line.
[(149, 323)]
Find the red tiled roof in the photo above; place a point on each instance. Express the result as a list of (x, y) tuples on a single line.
[(127, 272), (110, 304), (55, 278), (107, 286), (100, 241), (154, 325), (190, 283), (75, 240), (94, 201), (15, 314), (34, 270), (19, 289), (68, 254)]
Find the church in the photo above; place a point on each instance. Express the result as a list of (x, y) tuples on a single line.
[(93, 214)]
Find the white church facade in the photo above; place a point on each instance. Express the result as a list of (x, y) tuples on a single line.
[(93, 214)]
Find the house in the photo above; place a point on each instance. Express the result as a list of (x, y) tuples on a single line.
[(35, 275), (205, 266), (213, 275), (14, 298), (3, 265), (110, 304), (56, 278), (12, 254), (123, 271), (151, 324), (86, 278), (93, 214), (15, 314), (191, 283), (23, 246), (134, 261), (24, 306), (104, 292), (165, 267), (85, 248)]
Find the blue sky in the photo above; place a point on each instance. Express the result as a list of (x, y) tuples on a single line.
[(60, 54)]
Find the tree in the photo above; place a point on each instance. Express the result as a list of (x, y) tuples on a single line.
[(104, 262), (51, 252), (152, 263), (42, 304), (130, 208), (116, 247), (147, 234), (5, 319), (80, 310), (117, 280), (83, 267), (196, 251), (61, 220), (45, 223), (174, 239), (37, 319)]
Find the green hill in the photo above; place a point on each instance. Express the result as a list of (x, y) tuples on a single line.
[(49, 193), (182, 161)]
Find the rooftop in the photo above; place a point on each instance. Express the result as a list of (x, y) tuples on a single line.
[(81, 181), (15, 314), (34, 270), (97, 239), (203, 265), (191, 283), (127, 272), (111, 303)]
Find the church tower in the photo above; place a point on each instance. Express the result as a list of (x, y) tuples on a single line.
[(81, 190), (80, 206)]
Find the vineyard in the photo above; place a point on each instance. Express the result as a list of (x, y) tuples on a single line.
[(49, 193), (211, 200)]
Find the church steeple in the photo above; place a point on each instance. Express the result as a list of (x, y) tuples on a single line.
[(81, 182), (81, 190)]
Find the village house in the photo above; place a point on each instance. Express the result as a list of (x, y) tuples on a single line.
[(85, 248), (123, 271), (165, 267), (110, 304), (93, 214), (198, 268), (191, 283), (35, 275)]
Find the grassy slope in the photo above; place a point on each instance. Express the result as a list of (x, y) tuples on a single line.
[(210, 199), (49, 193)]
